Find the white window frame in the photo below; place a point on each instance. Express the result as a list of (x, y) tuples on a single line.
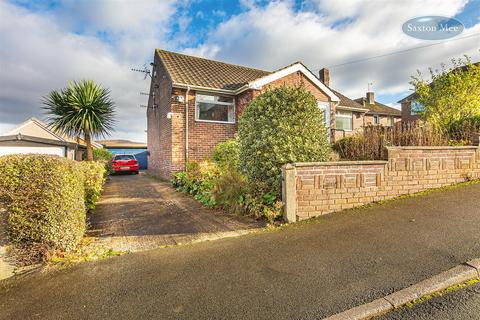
[(345, 117), (197, 113), (377, 120), (415, 113)]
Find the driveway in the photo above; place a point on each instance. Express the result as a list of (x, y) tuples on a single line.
[(304, 271), (138, 212)]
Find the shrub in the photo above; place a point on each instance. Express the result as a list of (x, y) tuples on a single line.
[(370, 143), (44, 198), (94, 178), (104, 156), (280, 126), (466, 129), (226, 154), (198, 180)]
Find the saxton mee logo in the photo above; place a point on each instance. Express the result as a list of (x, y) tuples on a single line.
[(432, 27)]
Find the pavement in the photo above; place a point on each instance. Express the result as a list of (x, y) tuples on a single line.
[(307, 270), (138, 212), (463, 304)]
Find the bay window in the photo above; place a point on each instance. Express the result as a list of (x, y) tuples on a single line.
[(213, 108), (344, 120)]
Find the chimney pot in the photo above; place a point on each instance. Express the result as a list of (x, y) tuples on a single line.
[(370, 98), (324, 76)]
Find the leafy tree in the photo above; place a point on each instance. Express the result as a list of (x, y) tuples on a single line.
[(450, 95), (81, 109), (280, 126)]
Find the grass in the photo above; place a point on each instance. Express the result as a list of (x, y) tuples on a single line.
[(453, 288), (86, 251)]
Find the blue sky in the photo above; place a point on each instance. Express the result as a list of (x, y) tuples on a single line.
[(43, 44)]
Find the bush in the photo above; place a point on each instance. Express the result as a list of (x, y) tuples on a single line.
[(104, 156), (198, 180), (466, 129), (226, 154), (280, 126), (370, 143), (44, 198), (94, 178)]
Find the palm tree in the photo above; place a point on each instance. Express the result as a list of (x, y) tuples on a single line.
[(82, 109)]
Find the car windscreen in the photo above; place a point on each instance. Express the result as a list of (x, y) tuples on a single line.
[(124, 157)]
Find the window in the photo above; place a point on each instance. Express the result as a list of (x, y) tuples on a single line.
[(214, 108), (376, 119), (416, 108), (344, 120), (124, 157), (391, 121)]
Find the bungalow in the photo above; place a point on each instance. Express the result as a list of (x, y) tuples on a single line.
[(33, 136), (195, 103), (378, 113)]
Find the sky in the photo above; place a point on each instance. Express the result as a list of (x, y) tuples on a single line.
[(45, 44)]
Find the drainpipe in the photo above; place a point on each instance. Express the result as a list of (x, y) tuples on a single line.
[(186, 127)]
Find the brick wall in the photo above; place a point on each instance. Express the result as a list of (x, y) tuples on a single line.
[(313, 189)]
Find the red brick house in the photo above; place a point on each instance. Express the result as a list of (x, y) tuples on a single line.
[(195, 103), (378, 113)]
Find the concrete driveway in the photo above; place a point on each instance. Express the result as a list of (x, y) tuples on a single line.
[(304, 271), (138, 212)]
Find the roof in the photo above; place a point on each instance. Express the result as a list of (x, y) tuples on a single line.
[(379, 108), (207, 73), (21, 137), (124, 144), (349, 103), (34, 127), (186, 70)]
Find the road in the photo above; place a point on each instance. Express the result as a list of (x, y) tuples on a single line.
[(463, 304), (304, 271)]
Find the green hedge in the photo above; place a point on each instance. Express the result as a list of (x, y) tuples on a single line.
[(46, 198), (94, 178)]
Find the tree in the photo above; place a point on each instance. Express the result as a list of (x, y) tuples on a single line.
[(82, 109), (280, 126), (450, 95)]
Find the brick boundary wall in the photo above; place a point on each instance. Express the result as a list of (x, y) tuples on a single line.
[(313, 189)]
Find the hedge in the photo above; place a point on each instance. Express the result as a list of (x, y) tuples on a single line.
[(94, 178), (46, 198)]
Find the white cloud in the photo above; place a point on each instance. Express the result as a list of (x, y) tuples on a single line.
[(39, 54), (275, 35)]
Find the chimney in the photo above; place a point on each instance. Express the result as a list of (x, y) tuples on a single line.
[(370, 98), (324, 76)]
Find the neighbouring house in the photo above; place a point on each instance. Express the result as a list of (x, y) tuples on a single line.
[(195, 103), (378, 113), (33, 136), (138, 149), (410, 108)]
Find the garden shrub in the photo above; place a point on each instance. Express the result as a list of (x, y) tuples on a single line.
[(466, 129), (280, 126), (44, 198), (226, 154), (104, 156), (198, 181), (94, 177)]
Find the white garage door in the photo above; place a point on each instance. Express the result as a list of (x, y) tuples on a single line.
[(58, 151)]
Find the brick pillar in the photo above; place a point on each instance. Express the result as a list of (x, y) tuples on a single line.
[(289, 193)]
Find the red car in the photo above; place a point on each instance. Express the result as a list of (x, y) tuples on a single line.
[(125, 163)]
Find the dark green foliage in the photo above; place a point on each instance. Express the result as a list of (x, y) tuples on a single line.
[(280, 126), (44, 198)]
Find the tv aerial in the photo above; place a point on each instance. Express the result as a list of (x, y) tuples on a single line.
[(146, 71)]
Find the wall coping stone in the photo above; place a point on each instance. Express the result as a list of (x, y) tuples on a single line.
[(433, 148), (337, 163)]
